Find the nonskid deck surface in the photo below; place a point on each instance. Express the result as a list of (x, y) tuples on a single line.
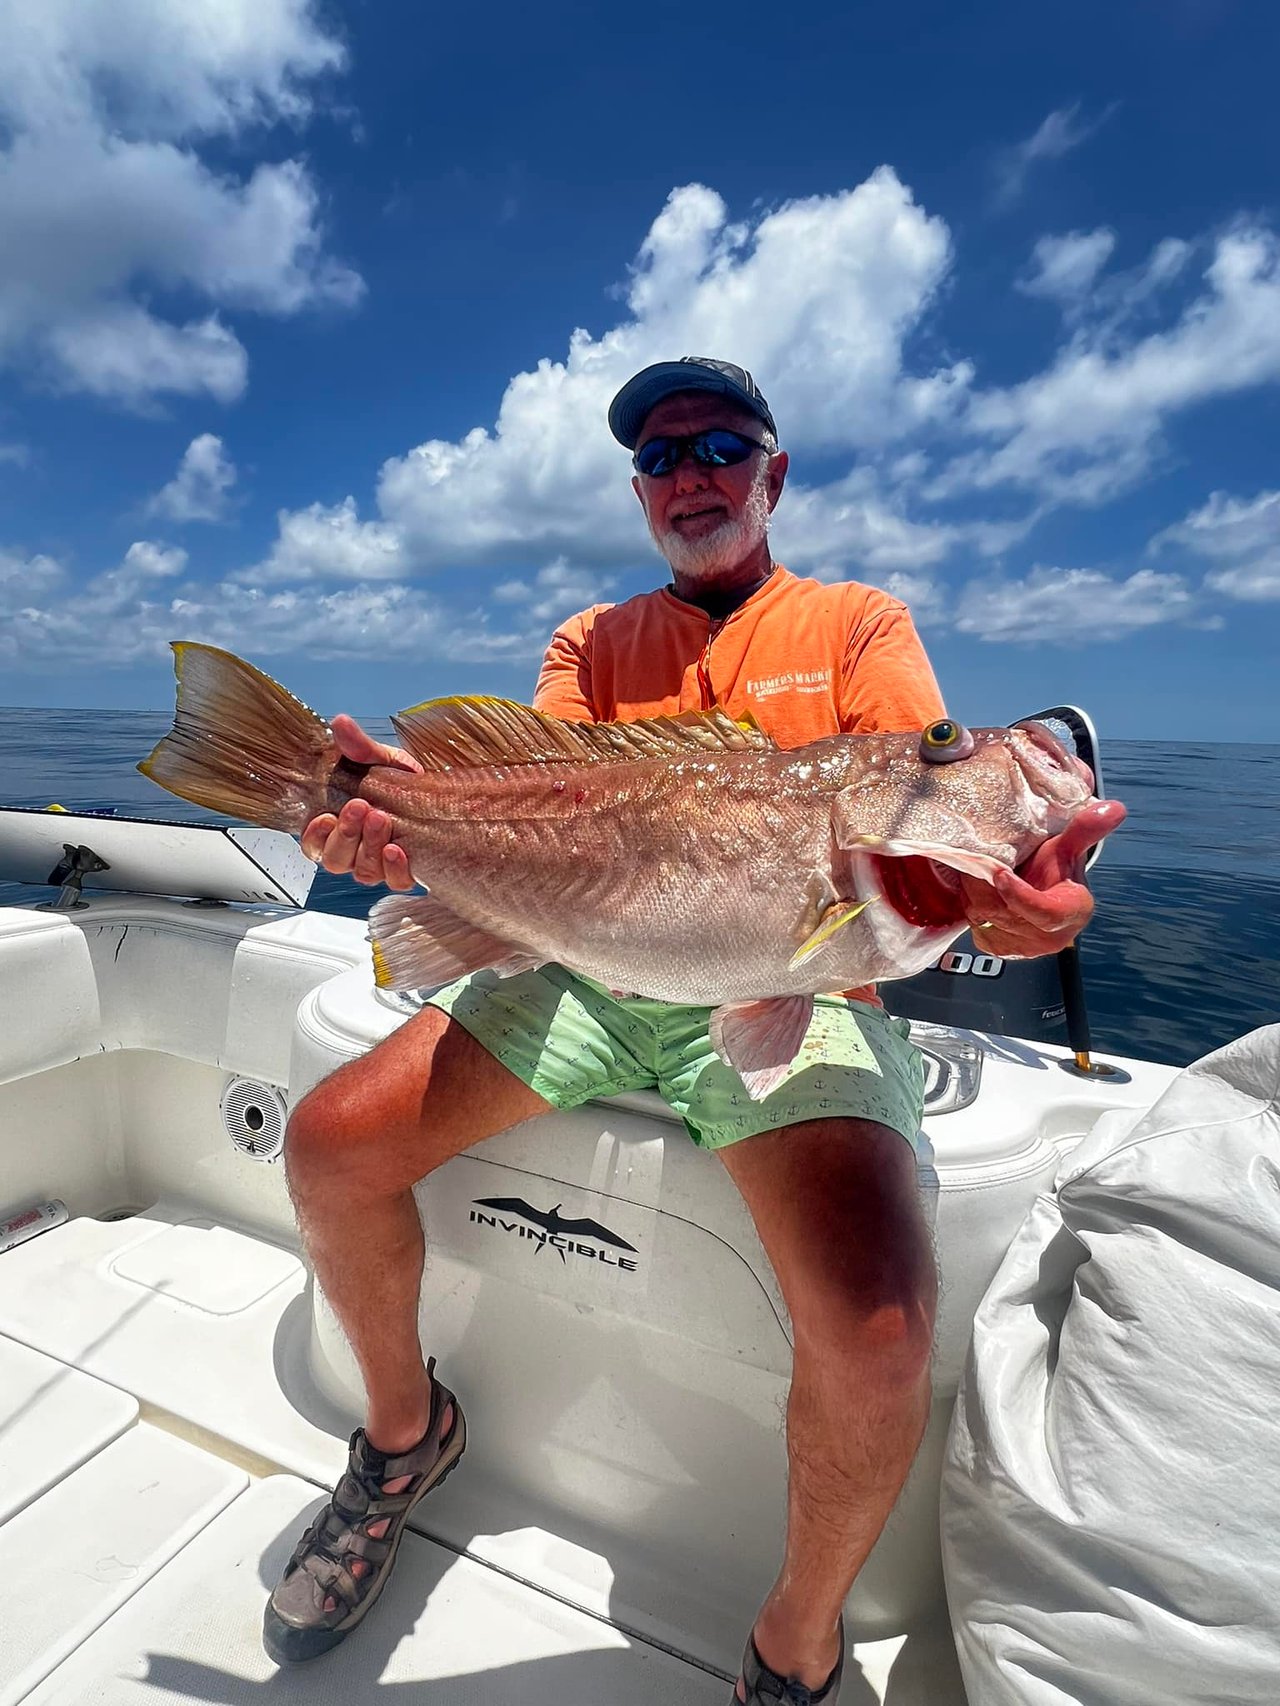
[(84, 1548), (140, 1574), (52, 1418), (445, 1629), (137, 1562)]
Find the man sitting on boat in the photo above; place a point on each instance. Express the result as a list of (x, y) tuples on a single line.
[(830, 1183)]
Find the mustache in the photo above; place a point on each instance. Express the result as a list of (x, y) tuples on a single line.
[(725, 544)]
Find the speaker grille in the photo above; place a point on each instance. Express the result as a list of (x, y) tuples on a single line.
[(253, 1116)]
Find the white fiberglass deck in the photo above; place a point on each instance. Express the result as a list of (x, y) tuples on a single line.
[(175, 1397), (138, 1561), (136, 1564), (446, 1629)]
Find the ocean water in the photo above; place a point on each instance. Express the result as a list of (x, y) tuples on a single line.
[(1183, 953)]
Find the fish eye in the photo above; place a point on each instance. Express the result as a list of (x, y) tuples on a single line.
[(944, 741)]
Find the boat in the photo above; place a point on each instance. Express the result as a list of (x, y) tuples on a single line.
[(177, 1396)]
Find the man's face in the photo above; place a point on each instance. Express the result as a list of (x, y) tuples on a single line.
[(706, 521)]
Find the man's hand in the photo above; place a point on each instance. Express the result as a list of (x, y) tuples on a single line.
[(358, 840), (1042, 908)]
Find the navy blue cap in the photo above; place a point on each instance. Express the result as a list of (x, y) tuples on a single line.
[(638, 396)]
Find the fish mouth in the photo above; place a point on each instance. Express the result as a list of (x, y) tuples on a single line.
[(920, 890), (1048, 761)]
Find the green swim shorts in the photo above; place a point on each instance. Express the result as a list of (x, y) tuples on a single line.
[(569, 1039)]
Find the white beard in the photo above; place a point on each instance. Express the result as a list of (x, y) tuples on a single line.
[(730, 543)]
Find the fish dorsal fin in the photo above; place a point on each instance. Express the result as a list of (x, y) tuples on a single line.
[(455, 734)]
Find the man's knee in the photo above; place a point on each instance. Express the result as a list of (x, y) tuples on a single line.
[(333, 1130), (366, 1126), (885, 1338), (873, 1310), (382, 1122)]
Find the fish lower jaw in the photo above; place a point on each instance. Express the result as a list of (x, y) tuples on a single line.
[(894, 943)]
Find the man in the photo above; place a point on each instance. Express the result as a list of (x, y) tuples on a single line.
[(834, 1199)]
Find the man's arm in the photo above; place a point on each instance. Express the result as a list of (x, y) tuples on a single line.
[(887, 684), (564, 681)]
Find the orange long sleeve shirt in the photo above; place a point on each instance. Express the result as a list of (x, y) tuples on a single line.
[(805, 658)]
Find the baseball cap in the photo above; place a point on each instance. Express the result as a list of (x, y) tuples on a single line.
[(646, 390)]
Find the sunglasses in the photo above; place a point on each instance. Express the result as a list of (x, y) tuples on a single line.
[(718, 448)]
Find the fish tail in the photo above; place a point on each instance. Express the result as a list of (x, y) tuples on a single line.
[(241, 744)]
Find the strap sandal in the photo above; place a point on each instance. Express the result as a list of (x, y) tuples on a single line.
[(766, 1688), (296, 1624)]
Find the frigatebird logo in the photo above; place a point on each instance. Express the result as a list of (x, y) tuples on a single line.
[(561, 1232)]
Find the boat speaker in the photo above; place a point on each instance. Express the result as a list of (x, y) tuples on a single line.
[(253, 1116)]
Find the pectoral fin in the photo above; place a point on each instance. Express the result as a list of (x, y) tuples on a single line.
[(760, 1039), (836, 916), (419, 941)]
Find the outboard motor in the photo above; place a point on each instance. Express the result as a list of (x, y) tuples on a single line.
[(976, 991), (1041, 1000)]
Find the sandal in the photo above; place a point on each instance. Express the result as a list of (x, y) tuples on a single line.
[(765, 1687), (296, 1625)]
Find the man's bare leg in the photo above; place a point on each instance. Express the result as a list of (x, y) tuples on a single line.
[(356, 1145), (837, 1208)]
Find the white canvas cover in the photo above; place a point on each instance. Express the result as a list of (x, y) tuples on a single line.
[(1111, 1498)]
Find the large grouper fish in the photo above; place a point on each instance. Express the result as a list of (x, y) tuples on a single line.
[(685, 858)]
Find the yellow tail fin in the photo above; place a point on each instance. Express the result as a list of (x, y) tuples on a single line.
[(242, 744)]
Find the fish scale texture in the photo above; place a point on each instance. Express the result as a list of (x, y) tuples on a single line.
[(1110, 1505), (693, 875)]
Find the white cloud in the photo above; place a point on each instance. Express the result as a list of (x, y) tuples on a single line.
[(823, 299), (1090, 425), (1125, 293), (145, 560), (133, 585), (1064, 268), (1254, 582), (18, 454), (97, 622), (1071, 606), (825, 529), (1056, 135), (1227, 526), (819, 295), (206, 67), (24, 579), (130, 614), (108, 210), (556, 592), (201, 489), (1242, 536), (325, 542), (1069, 271), (123, 353)]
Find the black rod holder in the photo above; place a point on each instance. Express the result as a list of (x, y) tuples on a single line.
[(76, 864), (1077, 1015)]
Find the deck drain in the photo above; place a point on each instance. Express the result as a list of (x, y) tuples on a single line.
[(253, 1116)]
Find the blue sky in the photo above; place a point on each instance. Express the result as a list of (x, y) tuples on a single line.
[(309, 317)]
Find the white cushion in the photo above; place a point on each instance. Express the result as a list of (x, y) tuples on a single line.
[(1111, 1500)]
